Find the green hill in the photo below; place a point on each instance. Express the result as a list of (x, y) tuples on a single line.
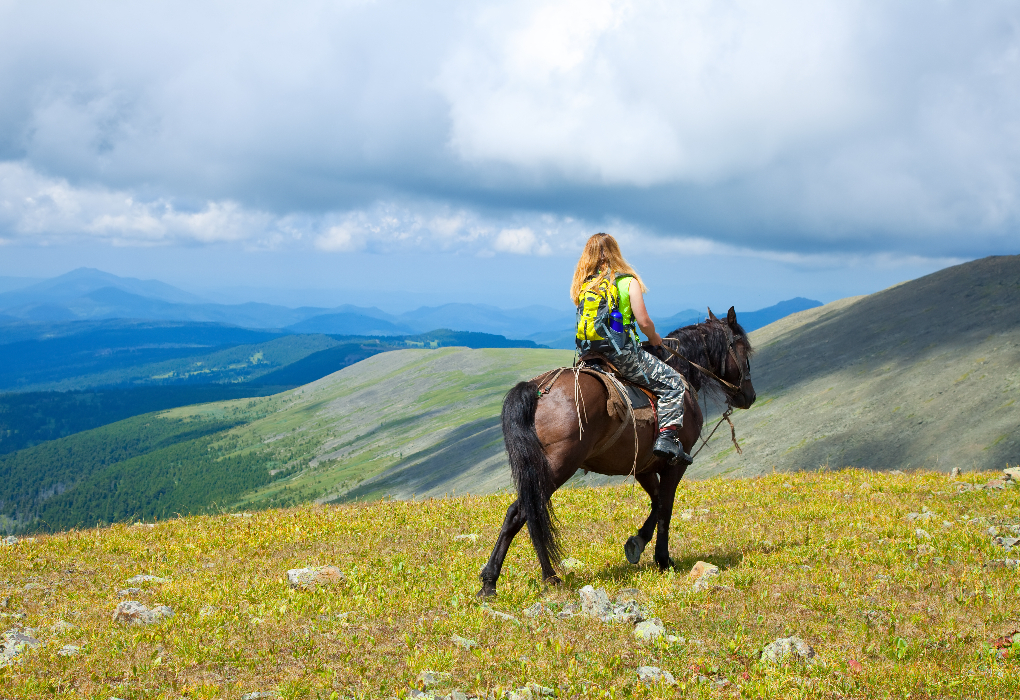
[(401, 422), (923, 374)]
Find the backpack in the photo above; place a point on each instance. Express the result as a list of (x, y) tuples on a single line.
[(595, 318)]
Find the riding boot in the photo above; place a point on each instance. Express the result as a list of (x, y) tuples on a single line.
[(668, 447)]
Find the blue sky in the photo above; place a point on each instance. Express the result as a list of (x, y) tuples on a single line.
[(329, 152)]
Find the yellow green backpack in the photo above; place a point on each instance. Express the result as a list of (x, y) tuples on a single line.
[(597, 329)]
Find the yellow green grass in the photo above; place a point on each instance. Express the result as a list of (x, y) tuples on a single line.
[(825, 556)]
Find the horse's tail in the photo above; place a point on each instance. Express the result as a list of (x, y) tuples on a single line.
[(530, 469)]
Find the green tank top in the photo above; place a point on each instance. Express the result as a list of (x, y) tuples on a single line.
[(623, 287)]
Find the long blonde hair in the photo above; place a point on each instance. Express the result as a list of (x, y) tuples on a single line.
[(601, 259)]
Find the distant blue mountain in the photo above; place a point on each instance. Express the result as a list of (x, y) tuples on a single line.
[(753, 320), (349, 324)]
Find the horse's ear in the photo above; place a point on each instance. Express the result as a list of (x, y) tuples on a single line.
[(731, 316), (711, 316)]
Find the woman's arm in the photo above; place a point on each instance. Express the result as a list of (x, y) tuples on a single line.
[(637, 307)]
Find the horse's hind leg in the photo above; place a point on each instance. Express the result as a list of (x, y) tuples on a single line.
[(636, 544), (512, 524)]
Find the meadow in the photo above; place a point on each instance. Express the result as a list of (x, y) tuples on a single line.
[(894, 604)]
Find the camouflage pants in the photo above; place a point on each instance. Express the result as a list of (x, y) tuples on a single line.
[(665, 382)]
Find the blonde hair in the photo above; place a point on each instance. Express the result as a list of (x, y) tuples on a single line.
[(600, 260)]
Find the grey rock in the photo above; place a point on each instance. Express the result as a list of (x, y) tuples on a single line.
[(649, 630), (458, 695), (14, 643), (147, 578), (955, 472), (470, 537), (540, 691), (464, 642), (61, 626), (628, 594), (260, 695), (788, 649), (535, 610), (129, 591), (1012, 473), (241, 515), (595, 602), (654, 674), (68, 650), (1007, 543), (207, 611), (506, 617), (895, 472), (429, 678), (568, 610), (134, 613), (629, 612), (9, 540), (922, 534), (415, 693), (311, 578)]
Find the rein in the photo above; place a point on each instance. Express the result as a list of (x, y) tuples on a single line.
[(709, 372)]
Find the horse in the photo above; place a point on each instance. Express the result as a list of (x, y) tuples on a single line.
[(548, 437)]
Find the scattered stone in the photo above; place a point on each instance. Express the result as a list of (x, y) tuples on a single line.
[(241, 515), (628, 594), (9, 540), (144, 525), (310, 578), (68, 650), (1003, 564), (459, 695), (14, 643), (568, 610), (1012, 473), (125, 592), (415, 693), (788, 649), (134, 613), (571, 564), (702, 568), (506, 617), (923, 515), (895, 472), (922, 534), (925, 549), (429, 678), (1007, 543), (687, 514), (260, 695), (207, 611), (147, 578), (955, 472), (471, 537), (464, 642), (996, 484), (595, 602), (536, 610), (61, 626), (654, 674), (865, 486), (629, 612), (649, 630)]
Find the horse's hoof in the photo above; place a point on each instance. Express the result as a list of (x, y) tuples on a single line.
[(486, 592), (633, 549), (553, 580)]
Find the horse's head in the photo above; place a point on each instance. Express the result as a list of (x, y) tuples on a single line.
[(736, 366)]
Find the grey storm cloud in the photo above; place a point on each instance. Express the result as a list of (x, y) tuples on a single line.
[(782, 126)]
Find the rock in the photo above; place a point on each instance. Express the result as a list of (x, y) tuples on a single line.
[(464, 642), (207, 611), (470, 537), (242, 515), (458, 695), (895, 472), (649, 630), (568, 610), (61, 626), (955, 472), (68, 650), (925, 549), (9, 540), (1007, 543), (500, 615), (147, 578), (654, 674), (14, 643), (134, 613), (535, 610), (595, 602), (701, 569), (922, 534), (629, 612), (1003, 564), (124, 592), (788, 649), (415, 693), (310, 578), (924, 515), (628, 594), (260, 695), (996, 484), (571, 564), (1012, 473), (429, 678)]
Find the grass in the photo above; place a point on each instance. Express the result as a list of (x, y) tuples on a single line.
[(827, 556)]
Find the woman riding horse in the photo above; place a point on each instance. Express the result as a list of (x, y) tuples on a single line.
[(551, 431)]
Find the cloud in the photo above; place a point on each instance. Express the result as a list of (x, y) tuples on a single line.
[(784, 127)]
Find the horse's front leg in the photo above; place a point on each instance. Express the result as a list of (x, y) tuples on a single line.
[(636, 545), (670, 479), (512, 524)]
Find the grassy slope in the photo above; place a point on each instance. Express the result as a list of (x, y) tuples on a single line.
[(826, 556), (925, 373)]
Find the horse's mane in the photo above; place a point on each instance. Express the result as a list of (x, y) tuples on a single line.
[(707, 344)]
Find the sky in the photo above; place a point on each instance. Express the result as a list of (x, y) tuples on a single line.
[(742, 152)]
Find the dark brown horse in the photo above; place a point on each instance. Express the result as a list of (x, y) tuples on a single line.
[(546, 446)]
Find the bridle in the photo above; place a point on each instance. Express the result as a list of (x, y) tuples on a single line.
[(744, 367)]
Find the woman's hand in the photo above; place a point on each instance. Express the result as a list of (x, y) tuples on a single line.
[(654, 339)]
